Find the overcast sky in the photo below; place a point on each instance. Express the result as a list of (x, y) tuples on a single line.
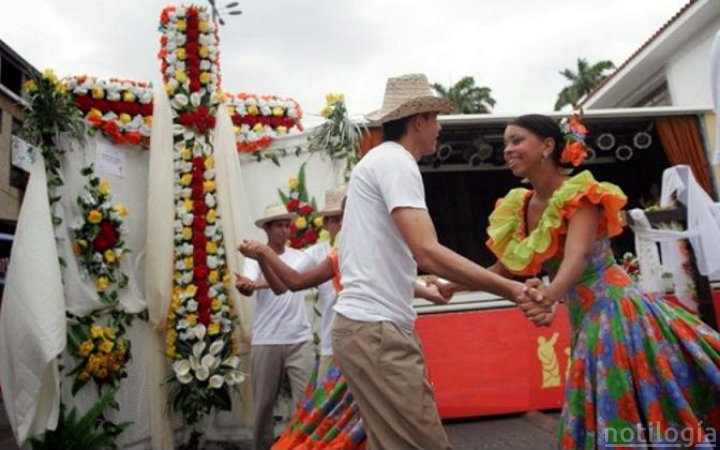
[(304, 49)]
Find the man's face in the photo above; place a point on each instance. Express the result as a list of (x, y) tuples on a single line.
[(427, 130), (278, 231), (333, 224)]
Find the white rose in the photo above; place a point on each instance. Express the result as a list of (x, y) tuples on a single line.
[(186, 278), (210, 174), (205, 65), (113, 95), (77, 223), (210, 200), (192, 305), (186, 192), (212, 262), (146, 97), (188, 219), (216, 381)]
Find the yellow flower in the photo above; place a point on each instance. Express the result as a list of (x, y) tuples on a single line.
[(171, 352), (107, 346), (278, 111), (121, 210), (191, 319), (48, 74), (104, 187), (125, 118), (186, 154), (102, 284), (186, 179), (181, 25), (215, 304), (187, 233), (205, 77), (120, 347), (326, 111), (94, 114), (101, 373), (110, 256), (300, 223), (209, 185), (98, 93), (213, 276), (191, 290), (85, 348), (83, 376), (281, 129), (211, 247), (258, 127), (60, 88), (211, 216), (180, 75), (203, 26), (96, 331), (181, 53), (94, 216), (332, 99), (169, 87), (252, 110), (318, 221), (213, 328), (188, 262), (188, 205), (109, 332), (82, 243), (204, 51), (210, 162), (129, 96), (30, 86), (148, 120)]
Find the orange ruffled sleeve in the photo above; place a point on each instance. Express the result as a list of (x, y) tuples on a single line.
[(524, 255)]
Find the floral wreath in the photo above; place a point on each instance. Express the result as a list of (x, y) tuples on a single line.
[(307, 229), (575, 150)]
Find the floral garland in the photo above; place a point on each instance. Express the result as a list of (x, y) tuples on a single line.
[(575, 150), (98, 238), (120, 109), (307, 229), (631, 265), (200, 333), (259, 119)]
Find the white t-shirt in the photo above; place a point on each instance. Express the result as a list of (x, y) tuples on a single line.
[(327, 297), (280, 319), (378, 269)]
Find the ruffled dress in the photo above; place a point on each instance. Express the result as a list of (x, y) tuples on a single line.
[(643, 372)]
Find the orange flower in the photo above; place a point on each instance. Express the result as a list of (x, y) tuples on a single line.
[(573, 153), (586, 297), (617, 277)]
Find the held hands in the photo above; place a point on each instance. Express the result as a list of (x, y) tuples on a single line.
[(539, 306), (444, 289), (245, 285), (436, 296), (252, 249)]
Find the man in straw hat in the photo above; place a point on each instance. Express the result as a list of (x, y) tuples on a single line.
[(387, 233), (281, 340)]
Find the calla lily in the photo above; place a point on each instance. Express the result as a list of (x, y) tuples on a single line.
[(198, 349), (216, 347), (185, 379), (216, 381), (210, 362), (181, 367), (202, 373), (233, 362)]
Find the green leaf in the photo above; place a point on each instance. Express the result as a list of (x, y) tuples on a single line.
[(55, 182), (274, 158), (56, 220), (284, 198), (301, 184)]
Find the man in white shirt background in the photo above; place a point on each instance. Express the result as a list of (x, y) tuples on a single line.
[(281, 334), (387, 233)]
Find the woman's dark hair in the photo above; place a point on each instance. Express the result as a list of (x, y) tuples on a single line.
[(544, 127), (396, 129)]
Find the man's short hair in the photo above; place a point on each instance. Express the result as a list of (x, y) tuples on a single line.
[(394, 130)]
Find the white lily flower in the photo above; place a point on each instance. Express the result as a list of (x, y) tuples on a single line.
[(210, 362), (195, 99), (200, 331), (232, 362), (181, 367), (198, 348), (216, 381), (202, 373), (216, 347), (185, 379)]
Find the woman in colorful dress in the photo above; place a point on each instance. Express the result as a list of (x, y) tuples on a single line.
[(642, 370), (328, 416)]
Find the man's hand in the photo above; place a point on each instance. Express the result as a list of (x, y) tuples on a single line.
[(436, 296), (540, 307), (252, 249), (445, 289), (245, 285)]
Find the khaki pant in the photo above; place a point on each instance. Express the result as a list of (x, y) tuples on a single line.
[(269, 365), (385, 371), (326, 361)]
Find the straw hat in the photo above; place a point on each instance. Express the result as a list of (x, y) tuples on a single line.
[(273, 212), (407, 95), (333, 201)]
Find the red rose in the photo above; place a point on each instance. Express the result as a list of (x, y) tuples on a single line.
[(84, 103), (306, 209), (102, 105), (192, 34), (201, 272), (198, 193), (133, 109), (192, 49), (200, 208), (204, 317), (200, 257), (199, 223), (198, 163), (146, 109), (199, 240), (195, 85), (311, 236), (107, 237), (293, 205), (296, 243), (202, 287), (133, 137)]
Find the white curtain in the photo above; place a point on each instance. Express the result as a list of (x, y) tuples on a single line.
[(32, 319)]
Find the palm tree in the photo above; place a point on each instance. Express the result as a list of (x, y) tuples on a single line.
[(467, 98), (582, 82)]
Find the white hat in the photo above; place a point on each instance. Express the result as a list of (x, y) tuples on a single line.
[(274, 211), (333, 201), (407, 95)]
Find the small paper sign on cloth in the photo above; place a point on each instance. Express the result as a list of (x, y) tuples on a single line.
[(111, 160)]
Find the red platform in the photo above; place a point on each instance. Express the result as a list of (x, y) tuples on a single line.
[(487, 362)]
